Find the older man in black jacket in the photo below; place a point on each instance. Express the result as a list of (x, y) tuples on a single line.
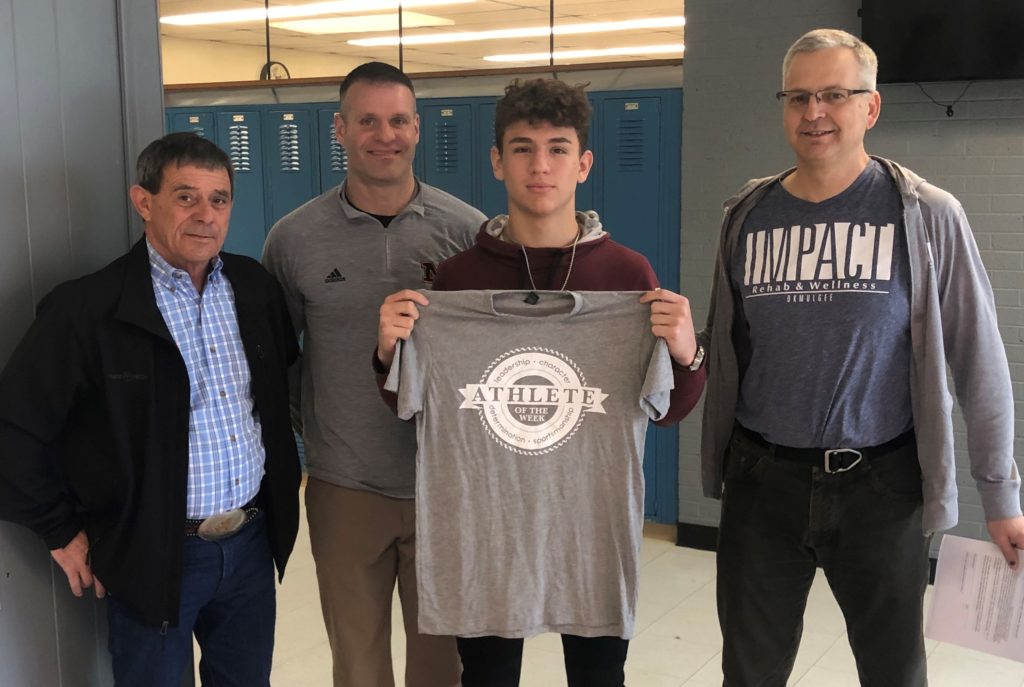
[(145, 435)]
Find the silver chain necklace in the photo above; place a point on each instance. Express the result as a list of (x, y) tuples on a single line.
[(532, 298)]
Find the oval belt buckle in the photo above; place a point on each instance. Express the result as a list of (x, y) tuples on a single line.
[(220, 526)]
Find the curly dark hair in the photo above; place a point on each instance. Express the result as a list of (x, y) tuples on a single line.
[(540, 101)]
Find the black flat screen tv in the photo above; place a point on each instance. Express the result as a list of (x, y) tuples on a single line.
[(945, 40)]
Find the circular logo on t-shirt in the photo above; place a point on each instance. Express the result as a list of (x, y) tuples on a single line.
[(532, 400)]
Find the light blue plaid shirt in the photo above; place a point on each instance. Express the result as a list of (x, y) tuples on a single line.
[(225, 447)]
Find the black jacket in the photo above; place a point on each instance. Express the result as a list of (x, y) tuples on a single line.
[(94, 411)]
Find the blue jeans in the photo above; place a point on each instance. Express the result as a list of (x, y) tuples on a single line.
[(227, 600), (781, 520)]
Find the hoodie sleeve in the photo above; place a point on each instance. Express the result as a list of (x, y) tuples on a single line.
[(975, 353)]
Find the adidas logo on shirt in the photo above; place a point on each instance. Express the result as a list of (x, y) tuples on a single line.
[(334, 276)]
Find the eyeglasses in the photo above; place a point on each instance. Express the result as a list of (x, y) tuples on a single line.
[(833, 97)]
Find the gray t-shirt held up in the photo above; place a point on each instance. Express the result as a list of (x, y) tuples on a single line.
[(530, 424)]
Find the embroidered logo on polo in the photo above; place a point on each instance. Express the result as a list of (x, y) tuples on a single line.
[(334, 276), (532, 400)]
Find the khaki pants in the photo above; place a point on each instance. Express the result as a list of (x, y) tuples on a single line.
[(362, 542)]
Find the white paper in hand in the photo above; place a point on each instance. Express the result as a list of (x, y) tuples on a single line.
[(978, 599)]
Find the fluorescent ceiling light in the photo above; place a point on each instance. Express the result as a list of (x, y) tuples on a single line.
[(292, 11), (525, 32), (361, 24), (583, 54)]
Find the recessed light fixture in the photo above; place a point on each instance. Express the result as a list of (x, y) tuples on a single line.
[(364, 23), (524, 32), (584, 54), (294, 11)]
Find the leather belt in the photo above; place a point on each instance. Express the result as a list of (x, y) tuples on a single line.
[(222, 525), (831, 460)]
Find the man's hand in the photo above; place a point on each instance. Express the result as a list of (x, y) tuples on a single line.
[(672, 321), (74, 561), (398, 316), (1008, 535)]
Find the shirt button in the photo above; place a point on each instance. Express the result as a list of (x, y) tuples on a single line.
[(173, 289), (223, 393), (233, 440), (177, 275), (237, 481), (213, 349)]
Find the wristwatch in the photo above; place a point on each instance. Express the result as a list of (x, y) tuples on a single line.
[(698, 359)]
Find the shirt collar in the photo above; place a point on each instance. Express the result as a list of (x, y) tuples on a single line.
[(168, 276), (415, 205)]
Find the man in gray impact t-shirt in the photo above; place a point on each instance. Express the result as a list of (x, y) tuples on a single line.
[(843, 289), (337, 257), (531, 422)]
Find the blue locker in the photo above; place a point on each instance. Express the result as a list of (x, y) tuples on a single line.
[(238, 133), (639, 167), (199, 122), (291, 178), (630, 165), (490, 193), (333, 160), (446, 132)]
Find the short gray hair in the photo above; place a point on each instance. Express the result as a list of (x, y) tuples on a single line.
[(821, 39)]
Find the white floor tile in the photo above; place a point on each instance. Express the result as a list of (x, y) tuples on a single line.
[(652, 548), (954, 666), (839, 657), (542, 668), (667, 656), (309, 669), (821, 677), (709, 674), (646, 678), (693, 620), (814, 647)]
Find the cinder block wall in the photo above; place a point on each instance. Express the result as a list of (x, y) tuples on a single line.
[(732, 132)]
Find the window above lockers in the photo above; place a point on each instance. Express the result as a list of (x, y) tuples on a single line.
[(217, 41)]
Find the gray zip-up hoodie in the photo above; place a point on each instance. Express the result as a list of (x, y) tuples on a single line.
[(952, 321)]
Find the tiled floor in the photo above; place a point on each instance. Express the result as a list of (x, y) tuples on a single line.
[(677, 642)]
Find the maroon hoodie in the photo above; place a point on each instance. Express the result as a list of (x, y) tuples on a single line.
[(599, 264)]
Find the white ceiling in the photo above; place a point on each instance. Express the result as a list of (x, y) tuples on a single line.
[(475, 16)]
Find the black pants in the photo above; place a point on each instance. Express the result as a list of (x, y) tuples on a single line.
[(589, 661), (780, 520)]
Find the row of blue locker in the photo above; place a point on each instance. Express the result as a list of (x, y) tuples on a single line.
[(284, 155)]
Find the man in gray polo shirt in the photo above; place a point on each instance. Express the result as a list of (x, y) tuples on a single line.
[(843, 289), (337, 257)]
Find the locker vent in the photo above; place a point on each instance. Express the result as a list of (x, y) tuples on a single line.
[(238, 147), (630, 153), (288, 147), (339, 161), (446, 135)]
